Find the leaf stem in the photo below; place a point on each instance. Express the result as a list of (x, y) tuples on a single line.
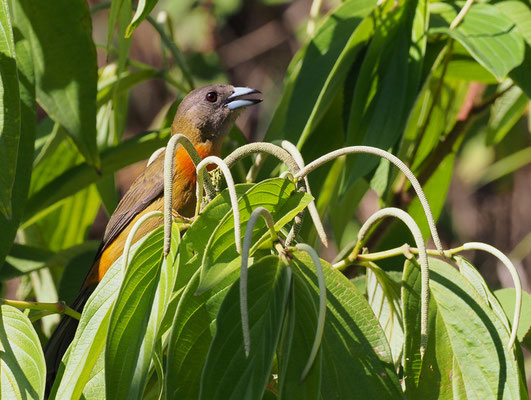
[(51, 308), (461, 14)]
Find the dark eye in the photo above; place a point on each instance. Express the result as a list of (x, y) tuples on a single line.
[(212, 97)]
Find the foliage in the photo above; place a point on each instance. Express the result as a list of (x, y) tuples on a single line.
[(397, 75)]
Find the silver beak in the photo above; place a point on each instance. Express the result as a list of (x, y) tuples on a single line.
[(235, 101)]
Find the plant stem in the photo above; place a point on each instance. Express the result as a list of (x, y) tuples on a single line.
[(53, 308)]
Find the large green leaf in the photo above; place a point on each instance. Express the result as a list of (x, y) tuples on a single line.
[(129, 321), (296, 344), (82, 175), (278, 196), (489, 36), (518, 12), (27, 131), (356, 358), (228, 373), (191, 334), (9, 111), (387, 84), (467, 354), (319, 68), (66, 69), (89, 340), (22, 366)]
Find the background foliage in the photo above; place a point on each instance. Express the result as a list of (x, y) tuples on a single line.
[(88, 89)]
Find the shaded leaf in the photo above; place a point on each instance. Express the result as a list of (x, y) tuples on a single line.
[(66, 70), (9, 111), (507, 299), (228, 373)]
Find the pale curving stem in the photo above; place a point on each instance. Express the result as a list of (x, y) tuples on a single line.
[(322, 306), (244, 307), (516, 280), (461, 14), (131, 236), (262, 147), (312, 209), (391, 158), (168, 180), (232, 193), (423, 259), (155, 155)]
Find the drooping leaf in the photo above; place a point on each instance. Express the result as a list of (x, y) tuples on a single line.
[(89, 341), (142, 11), (295, 346), (22, 366), (505, 113), (463, 331), (9, 112), (387, 84), (228, 373), (129, 321), (66, 70), (318, 69), (356, 358)]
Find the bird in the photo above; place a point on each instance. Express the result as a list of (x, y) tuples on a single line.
[(205, 116)]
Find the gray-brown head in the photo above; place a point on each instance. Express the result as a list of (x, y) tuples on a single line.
[(208, 113)]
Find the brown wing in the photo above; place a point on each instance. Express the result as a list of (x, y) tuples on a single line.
[(148, 186)]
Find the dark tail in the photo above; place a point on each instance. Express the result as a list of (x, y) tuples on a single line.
[(62, 337)]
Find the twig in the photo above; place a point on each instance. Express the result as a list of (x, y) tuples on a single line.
[(51, 308)]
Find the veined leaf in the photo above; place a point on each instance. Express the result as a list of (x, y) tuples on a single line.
[(278, 196), (22, 366), (467, 349), (352, 337), (9, 112), (489, 36), (506, 297), (129, 321), (228, 373)]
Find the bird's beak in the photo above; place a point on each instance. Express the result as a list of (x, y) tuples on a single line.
[(235, 100)]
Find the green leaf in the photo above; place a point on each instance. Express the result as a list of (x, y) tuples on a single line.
[(356, 358), (192, 332), (142, 11), (125, 370), (228, 373), (22, 363), (319, 68), (278, 196), (387, 84), (296, 344), (81, 176), (66, 69), (115, 85), (518, 12), (9, 112), (383, 295), (91, 334), (489, 36), (27, 131), (464, 331), (507, 299), (505, 113)]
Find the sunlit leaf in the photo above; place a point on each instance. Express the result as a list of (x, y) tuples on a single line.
[(22, 367)]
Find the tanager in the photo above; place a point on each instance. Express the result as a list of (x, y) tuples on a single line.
[(205, 116)]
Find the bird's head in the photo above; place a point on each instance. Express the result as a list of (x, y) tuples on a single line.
[(208, 113)]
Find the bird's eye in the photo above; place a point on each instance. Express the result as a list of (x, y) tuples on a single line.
[(212, 97)]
